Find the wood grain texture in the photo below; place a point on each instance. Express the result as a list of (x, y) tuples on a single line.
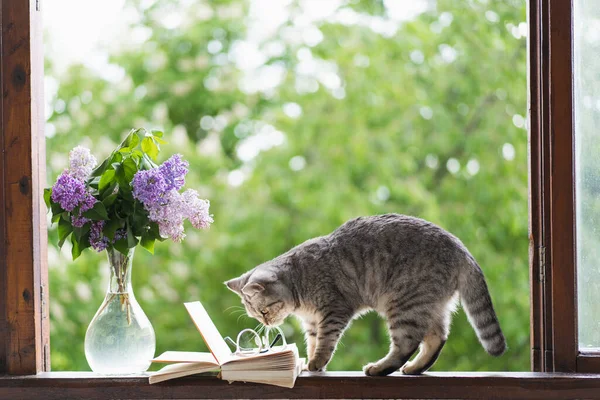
[(547, 338), (536, 180), (540, 180), (348, 385), (23, 325), (562, 189), (588, 362)]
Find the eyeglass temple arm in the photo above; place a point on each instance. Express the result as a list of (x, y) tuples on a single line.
[(275, 340)]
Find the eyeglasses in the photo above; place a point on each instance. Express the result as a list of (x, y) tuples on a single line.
[(249, 342)]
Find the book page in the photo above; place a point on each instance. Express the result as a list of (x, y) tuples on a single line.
[(209, 332), (180, 370), (275, 352), (185, 357)]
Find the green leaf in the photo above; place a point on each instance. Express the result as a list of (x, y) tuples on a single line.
[(128, 139), (94, 181), (139, 220), (130, 143), (81, 233), (48, 197), (155, 232), (56, 217), (107, 177), (102, 167), (136, 156), (150, 148), (129, 169), (147, 242), (134, 141), (159, 140), (156, 133), (108, 191), (121, 246), (109, 201), (120, 175), (111, 228), (62, 242), (97, 213), (76, 249), (132, 241), (64, 230)]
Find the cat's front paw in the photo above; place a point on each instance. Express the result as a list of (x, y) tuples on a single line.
[(316, 365), (377, 369)]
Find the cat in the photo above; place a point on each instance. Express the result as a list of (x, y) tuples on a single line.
[(409, 270)]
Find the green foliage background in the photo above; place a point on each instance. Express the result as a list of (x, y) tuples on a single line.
[(447, 88)]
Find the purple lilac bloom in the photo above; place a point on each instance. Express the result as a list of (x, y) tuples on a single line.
[(170, 215), (79, 221), (98, 241), (69, 192), (149, 186), (174, 231), (197, 210), (81, 163), (158, 189), (120, 234), (87, 204), (174, 171)]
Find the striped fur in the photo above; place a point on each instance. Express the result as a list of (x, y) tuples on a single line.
[(410, 271)]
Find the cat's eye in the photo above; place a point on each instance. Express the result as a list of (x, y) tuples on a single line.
[(264, 312)]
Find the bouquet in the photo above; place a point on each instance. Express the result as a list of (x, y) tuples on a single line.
[(125, 201)]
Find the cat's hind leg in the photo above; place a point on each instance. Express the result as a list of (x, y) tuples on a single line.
[(434, 341), (429, 351), (407, 330)]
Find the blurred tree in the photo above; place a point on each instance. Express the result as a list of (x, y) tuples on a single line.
[(354, 114)]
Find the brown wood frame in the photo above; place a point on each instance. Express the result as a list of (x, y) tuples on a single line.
[(24, 330), (552, 192), (338, 385)]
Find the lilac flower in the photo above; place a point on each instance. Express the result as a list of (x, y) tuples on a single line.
[(69, 192), (81, 163), (149, 186), (197, 210), (87, 204), (174, 231), (78, 221), (120, 234), (98, 241), (169, 215), (174, 171), (158, 189)]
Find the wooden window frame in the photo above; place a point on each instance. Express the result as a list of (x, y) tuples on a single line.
[(24, 329), (553, 256)]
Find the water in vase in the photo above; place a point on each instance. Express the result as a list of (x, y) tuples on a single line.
[(120, 339)]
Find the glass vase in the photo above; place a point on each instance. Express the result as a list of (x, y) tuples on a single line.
[(120, 339)]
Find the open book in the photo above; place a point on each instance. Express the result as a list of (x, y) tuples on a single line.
[(279, 366)]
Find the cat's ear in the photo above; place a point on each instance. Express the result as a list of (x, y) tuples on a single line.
[(252, 288), (235, 285)]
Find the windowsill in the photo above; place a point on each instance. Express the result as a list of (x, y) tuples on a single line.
[(60, 385)]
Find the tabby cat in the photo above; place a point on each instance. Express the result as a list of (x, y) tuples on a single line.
[(410, 271)]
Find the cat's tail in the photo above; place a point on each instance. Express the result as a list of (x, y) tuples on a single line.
[(476, 300)]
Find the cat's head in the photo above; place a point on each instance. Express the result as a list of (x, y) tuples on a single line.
[(265, 297)]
